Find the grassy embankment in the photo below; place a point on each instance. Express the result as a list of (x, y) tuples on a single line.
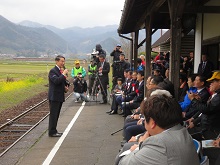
[(20, 80)]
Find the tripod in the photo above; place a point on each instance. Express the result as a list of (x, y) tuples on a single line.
[(97, 82)]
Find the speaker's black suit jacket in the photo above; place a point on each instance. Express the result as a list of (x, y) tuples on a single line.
[(56, 85)]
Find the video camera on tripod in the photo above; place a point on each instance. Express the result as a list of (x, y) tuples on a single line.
[(94, 56)]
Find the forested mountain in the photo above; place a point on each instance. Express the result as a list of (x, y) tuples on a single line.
[(32, 39), (84, 39), (28, 41)]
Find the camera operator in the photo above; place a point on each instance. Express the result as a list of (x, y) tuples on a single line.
[(116, 53), (80, 88), (118, 69), (103, 69), (92, 74), (99, 51)]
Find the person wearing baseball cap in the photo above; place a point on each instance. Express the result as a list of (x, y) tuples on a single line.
[(215, 76), (77, 69), (211, 110), (116, 52)]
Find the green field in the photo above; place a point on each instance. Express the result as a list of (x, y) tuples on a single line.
[(20, 80), (20, 69)]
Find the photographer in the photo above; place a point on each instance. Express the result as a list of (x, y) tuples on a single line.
[(80, 88), (118, 69), (98, 51), (116, 53), (92, 74)]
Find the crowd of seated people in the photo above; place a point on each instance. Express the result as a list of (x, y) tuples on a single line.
[(163, 130), (127, 93), (198, 104)]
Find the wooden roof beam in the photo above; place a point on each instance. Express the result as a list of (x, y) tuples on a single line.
[(198, 9), (154, 6)]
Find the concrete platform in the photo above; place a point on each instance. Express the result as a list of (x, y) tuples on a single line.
[(88, 142)]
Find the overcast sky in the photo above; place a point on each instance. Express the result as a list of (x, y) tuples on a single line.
[(64, 13)]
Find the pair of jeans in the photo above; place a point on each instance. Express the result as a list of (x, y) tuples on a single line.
[(81, 95)]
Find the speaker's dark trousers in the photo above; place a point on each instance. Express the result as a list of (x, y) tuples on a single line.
[(55, 108)]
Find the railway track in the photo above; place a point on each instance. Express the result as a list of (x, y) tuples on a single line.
[(12, 131)]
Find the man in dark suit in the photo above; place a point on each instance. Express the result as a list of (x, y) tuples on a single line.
[(135, 103), (57, 88), (209, 112), (103, 69), (205, 67), (202, 95)]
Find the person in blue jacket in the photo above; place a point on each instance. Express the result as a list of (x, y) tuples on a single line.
[(186, 102)]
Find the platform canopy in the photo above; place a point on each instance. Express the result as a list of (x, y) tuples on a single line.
[(135, 12)]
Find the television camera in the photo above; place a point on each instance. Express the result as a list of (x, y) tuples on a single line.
[(95, 56)]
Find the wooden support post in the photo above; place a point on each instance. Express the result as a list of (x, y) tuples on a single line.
[(136, 34), (132, 48), (148, 29), (175, 9)]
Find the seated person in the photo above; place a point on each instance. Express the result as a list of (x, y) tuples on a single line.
[(136, 127), (140, 66), (154, 81), (133, 128), (202, 95), (213, 153), (209, 113), (183, 86), (130, 124), (156, 72), (139, 96), (166, 141), (167, 85), (186, 102), (129, 89), (117, 91), (80, 88)]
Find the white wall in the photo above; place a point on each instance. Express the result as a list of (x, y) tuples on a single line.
[(198, 42), (211, 23), (211, 26)]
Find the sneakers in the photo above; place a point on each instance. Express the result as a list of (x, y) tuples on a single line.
[(77, 100), (125, 103)]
